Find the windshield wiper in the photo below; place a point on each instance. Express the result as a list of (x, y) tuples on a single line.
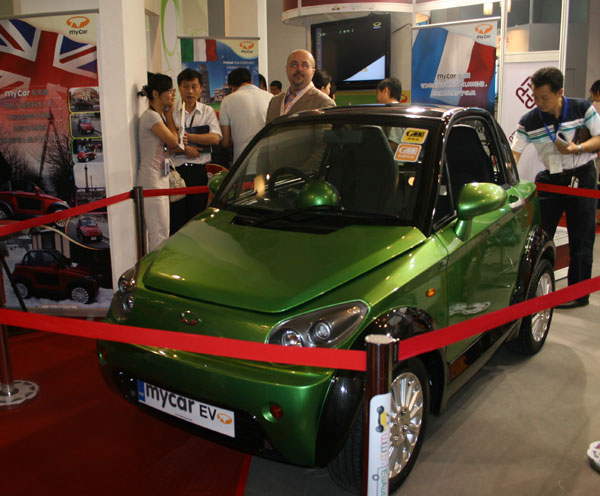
[(327, 210)]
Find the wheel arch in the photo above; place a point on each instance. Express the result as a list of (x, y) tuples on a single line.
[(346, 392), (538, 246)]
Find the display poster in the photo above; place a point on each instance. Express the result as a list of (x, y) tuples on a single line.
[(50, 160), (215, 59), (517, 99), (455, 64)]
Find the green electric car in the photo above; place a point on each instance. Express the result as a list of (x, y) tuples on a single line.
[(332, 225)]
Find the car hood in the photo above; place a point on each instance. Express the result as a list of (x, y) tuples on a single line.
[(268, 270)]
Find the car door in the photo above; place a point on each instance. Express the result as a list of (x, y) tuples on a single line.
[(482, 269), (27, 199), (48, 274)]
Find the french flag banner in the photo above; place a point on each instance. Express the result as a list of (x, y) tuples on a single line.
[(455, 64)]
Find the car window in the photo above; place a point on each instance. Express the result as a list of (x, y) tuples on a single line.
[(471, 155), (359, 167), (44, 258)]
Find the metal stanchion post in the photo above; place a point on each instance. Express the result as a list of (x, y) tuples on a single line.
[(12, 393), (138, 200), (378, 403)]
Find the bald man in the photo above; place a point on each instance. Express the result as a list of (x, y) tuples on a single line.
[(301, 95)]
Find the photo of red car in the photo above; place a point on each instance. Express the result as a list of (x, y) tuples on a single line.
[(85, 125), (88, 230), (21, 199), (49, 272), (85, 156)]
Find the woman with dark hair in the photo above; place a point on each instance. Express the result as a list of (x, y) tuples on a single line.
[(322, 81), (157, 140)]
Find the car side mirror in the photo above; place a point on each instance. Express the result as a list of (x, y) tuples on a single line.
[(477, 199), (214, 183)]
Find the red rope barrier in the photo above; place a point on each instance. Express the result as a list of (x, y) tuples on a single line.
[(568, 190), (310, 357), (246, 350), (175, 191), (22, 225)]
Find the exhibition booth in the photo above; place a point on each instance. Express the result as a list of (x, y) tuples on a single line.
[(72, 224)]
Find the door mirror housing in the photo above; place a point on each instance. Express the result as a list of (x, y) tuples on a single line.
[(477, 199)]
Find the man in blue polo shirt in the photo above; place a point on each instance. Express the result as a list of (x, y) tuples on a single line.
[(566, 135)]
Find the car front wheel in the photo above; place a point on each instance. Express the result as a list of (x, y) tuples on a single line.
[(80, 293), (407, 422), (534, 328), (24, 288)]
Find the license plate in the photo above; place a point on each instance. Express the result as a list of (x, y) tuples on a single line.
[(202, 414)]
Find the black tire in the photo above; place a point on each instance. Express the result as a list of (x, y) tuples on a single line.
[(23, 287), (62, 222), (81, 293), (4, 213), (534, 328), (407, 430)]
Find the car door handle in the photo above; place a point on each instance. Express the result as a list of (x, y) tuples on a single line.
[(515, 202)]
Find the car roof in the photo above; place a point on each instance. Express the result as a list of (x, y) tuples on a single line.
[(432, 112)]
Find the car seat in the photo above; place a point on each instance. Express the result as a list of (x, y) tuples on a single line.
[(364, 173)]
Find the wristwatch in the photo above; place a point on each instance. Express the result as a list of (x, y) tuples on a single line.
[(579, 149)]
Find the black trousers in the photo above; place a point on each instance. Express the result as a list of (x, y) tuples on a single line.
[(581, 217), (183, 210)]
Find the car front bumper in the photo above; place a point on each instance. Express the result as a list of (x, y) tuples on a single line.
[(249, 389)]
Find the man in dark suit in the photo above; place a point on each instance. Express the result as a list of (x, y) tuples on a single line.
[(301, 95)]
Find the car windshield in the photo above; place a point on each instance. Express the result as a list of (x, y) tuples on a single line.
[(356, 171), (88, 222)]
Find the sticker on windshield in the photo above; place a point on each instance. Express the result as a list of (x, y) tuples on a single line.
[(414, 135), (407, 153)]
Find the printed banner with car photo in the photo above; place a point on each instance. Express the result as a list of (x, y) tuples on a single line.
[(215, 59), (51, 160), (455, 64)]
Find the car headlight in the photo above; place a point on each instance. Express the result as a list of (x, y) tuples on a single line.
[(323, 328), (124, 298)]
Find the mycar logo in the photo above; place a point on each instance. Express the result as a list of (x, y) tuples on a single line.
[(483, 31), (77, 23), (246, 46)]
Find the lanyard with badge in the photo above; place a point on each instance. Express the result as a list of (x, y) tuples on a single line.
[(554, 160)]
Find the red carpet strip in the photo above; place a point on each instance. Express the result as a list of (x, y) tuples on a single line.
[(78, 437)]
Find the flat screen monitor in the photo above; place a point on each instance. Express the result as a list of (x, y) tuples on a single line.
[(355, 52)]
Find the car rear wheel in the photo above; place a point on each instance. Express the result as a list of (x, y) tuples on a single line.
[(81, 293), (61, 222), (534, 328), (24, 288), (407, 422), (4, 213)]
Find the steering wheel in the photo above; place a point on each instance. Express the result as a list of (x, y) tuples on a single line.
[(291, 171)]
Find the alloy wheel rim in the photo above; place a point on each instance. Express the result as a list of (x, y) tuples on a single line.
[(540, 321), (22, 289), (79, 295), (406, 420)]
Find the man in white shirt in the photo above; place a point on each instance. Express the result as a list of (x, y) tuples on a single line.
[(203, 131), (242, 113)]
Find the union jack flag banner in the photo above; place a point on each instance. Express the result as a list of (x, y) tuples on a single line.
[(31, 58)]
